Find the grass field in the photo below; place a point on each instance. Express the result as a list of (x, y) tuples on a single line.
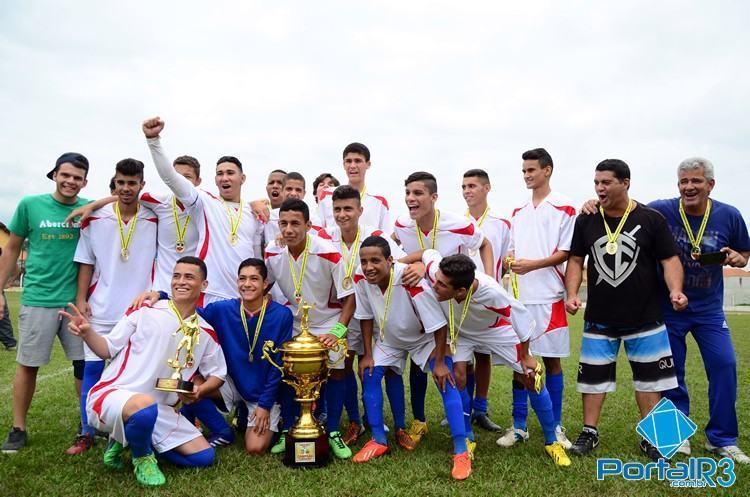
[(43, 468)]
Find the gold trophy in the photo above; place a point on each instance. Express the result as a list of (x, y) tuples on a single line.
[(305, 369), (190, 337)]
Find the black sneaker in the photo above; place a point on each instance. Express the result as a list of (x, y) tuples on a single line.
[(16, 441), (483, 421), (586, 442), (651, 451)]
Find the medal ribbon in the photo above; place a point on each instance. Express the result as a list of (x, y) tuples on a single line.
[(298, 283), (481, 218), (261, 315), (387, 305), (125, 241), (452, 320), (612, 237), (181, 230), (695, 240), (349, 266), (434, 231), (362, 193), (187, 328), (234, 223), (513, 277)]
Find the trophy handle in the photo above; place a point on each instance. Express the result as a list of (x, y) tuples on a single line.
[(342, 344), (268, 349)]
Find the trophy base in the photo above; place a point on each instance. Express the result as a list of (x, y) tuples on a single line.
[(306, 452), (174, 385)]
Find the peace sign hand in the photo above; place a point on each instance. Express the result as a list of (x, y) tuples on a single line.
[(77, 322)]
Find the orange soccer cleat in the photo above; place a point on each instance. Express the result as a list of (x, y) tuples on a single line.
[(371, 450), (461, 466)]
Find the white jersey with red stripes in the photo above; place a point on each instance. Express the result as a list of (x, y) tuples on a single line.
[(116, 282), (322, 284), (454, 233), (537, 233), (497, 231), (375, 210)]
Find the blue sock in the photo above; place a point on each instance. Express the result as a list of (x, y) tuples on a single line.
[(418, 391), (138, 430), (471, 381), (555, 386), (352, 399), (289, 408), (520, 405), (454, 411), (466, 407), (335, 393), (394, 388), (207, 412), (542, 406), (480, 405), (200, 459), (92, 372), (373, 391)]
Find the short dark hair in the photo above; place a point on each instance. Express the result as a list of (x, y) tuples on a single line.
[(254, 262), (190, 161), (189, 259), (459, 268), (427, 178), (277, 171), (540, 154), (379, 242), (321, 178), (130, 167), (295, 176), (295, 205), (357, 148), (112, 185), (232, 159), (617, 166), (477, 173), (344, 192)]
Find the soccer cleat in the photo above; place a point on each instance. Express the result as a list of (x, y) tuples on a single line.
[(562, 437), (585, 443), (557, 452), (684, 449), (280, 446), (651, 451), (404, 440), (512, 436), (461, 466), (337, 445), (485, 423), (221, 439), (147, 471), (16, 441), (731, 451), (371, 450), (471, 446), (353, 432), (82, 444), (113, 455), (417, 430)]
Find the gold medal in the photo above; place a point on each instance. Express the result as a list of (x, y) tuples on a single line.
[(695, 239), (179, 247), (126, 239), (472, 253), (695, 253), (233, 239), (258, 324), (611, 248), (453, 347), (452, 328), (350, 261), (347, 283), (234, 222), (179, 229), (124, 254), (298, 282)]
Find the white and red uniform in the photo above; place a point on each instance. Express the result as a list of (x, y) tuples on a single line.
[(413, 316), (271, 228), (115, 283), (322, 285), (333, 234), (221, 257), (495, 322), (375, 210), (537, 233), (497, 231), (453, 233), (140, 345)]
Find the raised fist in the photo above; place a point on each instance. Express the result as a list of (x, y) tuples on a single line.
[(152, 127)]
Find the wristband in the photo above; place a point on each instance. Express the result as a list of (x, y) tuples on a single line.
[(338, 330)]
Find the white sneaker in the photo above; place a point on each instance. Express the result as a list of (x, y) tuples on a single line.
[(511, 436), (562, 438), (731, 451), (684, 448)]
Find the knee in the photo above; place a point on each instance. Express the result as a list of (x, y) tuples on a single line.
[(256, 447), (138, 402), (460, 375)]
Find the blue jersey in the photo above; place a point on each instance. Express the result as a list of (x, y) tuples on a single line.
[(704, 285), (256, 381)]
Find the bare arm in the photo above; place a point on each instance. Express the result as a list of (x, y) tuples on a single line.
[(573, 279), (79, 326), (85, 272), (8, 261), (85, 211), (523, 266), (440, 371), (366, 362), (488, 258), (673, 277), (735, 258), (349, 305)]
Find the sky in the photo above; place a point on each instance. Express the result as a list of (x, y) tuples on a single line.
[(427, 85)]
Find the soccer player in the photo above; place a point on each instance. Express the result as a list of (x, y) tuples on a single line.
[(310, 269), (49, 283), (540, 242), (404, 320), (126, 403), (228, 233), (475, 188), (624, 246), (116, 255), (375, 210), (483, 317), (426, 227), (323, 181), (293, 187)]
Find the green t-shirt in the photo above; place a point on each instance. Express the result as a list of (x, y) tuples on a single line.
[(51, 275)]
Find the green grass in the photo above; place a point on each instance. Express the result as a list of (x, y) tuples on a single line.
[(44, 469)]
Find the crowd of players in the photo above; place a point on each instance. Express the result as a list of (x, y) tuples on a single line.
[(127, 278)]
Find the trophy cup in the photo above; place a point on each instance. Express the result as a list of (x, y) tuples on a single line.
[(175, 383), (305, 369)]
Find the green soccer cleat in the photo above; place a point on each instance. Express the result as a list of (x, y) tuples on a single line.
[(280, 446), (147, 471), (338, 447), (113, 455)]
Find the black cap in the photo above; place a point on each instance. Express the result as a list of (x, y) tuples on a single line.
[(74, 158)]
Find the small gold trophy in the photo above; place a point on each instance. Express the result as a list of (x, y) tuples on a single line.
[(305, 369), (190, 337)]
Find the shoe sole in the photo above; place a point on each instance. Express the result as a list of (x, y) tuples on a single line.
[(10, 451)]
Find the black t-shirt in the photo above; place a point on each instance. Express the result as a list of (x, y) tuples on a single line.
[(623, 289)]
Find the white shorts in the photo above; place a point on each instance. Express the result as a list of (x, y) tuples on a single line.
[(551, 337), (335, 356), (104, 410), (101, 330), (395, 358), (355, 342), (231, 396), (504, 351)]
